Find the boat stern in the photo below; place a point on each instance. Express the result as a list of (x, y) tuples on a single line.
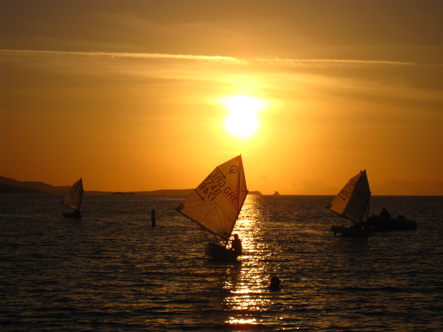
[(220, 253)]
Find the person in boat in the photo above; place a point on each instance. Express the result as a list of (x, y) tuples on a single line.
[(236, 245), (384, 213)]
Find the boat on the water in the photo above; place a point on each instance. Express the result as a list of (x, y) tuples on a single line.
[(220, 252), (215, 205), (352, 203), (398, 223), (73, 199)]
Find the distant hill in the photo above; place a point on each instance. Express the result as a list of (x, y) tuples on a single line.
[(170, 192), (176, 192), (10, 186)]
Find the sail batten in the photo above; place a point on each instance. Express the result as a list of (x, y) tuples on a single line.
[(216, 203)]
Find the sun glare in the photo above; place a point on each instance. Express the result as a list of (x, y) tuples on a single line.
[(242, 120)]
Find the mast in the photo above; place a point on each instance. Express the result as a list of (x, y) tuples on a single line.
[(243, 192)]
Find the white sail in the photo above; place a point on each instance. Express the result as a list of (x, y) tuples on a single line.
[(75, 195), (352, 202), (216, 203)]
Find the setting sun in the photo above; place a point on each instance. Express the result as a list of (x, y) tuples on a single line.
[(242, 120), (172, 84)]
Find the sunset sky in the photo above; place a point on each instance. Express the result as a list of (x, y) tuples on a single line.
[(136, 95)]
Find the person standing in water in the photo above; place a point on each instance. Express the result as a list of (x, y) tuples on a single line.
[(236, 245)]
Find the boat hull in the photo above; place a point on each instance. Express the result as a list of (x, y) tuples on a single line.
[(381, 224), (351, 231), (220, 253), (73, 215)]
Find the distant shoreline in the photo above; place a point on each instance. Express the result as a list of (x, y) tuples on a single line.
[(11, 186)]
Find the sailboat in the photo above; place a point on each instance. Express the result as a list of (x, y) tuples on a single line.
[(216, 203), (352, 203), (73, 199)]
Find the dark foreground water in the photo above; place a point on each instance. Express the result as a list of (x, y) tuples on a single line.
[(112, 271)]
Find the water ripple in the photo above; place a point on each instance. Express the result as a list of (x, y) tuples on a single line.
[(112, 271)]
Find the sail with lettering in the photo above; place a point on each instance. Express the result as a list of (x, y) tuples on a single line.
[(73, 199), (352, 202), (217, 201)]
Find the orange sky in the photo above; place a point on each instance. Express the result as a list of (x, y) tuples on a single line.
[(129, 94)]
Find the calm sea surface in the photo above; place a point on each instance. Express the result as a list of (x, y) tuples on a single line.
[(113, 271)]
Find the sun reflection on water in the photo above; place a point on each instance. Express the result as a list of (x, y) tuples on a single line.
[(247, 283)]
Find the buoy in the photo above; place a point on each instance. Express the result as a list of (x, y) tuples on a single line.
[(275, 283)]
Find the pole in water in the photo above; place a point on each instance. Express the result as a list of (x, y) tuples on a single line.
[(153, 217)]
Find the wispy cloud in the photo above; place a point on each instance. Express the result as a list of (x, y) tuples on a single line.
[(331, 62), (125, 55), (319, 63)]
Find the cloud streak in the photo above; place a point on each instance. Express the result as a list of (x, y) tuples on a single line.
[(332, 62), (318, 63), (125, 55)]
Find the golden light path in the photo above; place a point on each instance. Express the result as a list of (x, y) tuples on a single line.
[(242, 120), (247, 282)]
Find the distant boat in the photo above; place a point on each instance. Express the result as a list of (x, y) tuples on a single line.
[(216, 203), (276, 193), (352, 203), (73, 199)]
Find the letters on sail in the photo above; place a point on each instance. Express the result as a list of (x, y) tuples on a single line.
[(216, 203)]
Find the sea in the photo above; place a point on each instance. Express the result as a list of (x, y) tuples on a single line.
[(114, 271)]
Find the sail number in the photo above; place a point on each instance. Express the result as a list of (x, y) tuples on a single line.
[(346, 192), (214, 185)]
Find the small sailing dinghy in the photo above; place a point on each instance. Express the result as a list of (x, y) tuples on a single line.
[(73, 199), (352, 203), (216, 203)]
